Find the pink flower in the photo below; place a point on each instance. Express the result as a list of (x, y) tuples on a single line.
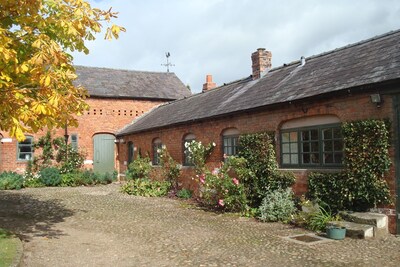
[(221, 202), (225, 156), (215, 171), (202, 179), (235, 181)]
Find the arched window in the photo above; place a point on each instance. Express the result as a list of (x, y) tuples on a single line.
[(312, 142), (131, 151), (157, 146), (25, 149), (230, 141), (187, 161)]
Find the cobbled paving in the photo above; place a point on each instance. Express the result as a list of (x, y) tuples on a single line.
[(99, 226)]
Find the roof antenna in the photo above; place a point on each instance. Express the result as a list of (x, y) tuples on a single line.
[(168, 64)]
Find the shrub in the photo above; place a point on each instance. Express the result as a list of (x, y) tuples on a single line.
[(258, 150), (278, 205), (171, 170), (198, 154), (33, 180), (220, 190), (184, 193), (50, 176), (104, 178), (139, 168), (11, 180), (68, 179), (146, 188), (317, 221)]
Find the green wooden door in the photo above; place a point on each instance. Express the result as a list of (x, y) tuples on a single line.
[(103, 152)]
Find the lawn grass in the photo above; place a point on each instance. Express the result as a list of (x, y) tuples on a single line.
[(8, 248)]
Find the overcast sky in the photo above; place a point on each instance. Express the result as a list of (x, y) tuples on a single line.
[(218, 36)]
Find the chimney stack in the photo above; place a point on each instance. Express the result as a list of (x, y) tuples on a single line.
[(261, 61), (209, 83)]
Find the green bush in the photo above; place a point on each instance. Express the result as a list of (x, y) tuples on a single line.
[(184, 193), (259, 151), (33, 181), (68, 179), (104, 178), (139, 168), (11, 180), (50, 176), (146, 188), (278, 205), (317, 221)]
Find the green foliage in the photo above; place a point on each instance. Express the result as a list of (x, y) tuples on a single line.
[(86, 177), (139, 168), (331, 188), (8, 248), (184, 193), (318, 220), (50, 176), (361, 185), (278, 205), (56, 153), (198, 154), (11, 180), (146, 188), (170, 168), (258, 150), (220, 190), (33, 180)]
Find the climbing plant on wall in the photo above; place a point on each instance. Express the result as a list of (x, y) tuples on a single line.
[(361, 184), (259, 151)]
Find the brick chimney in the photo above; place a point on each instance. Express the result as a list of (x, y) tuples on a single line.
[(209, 83), (261, 61)]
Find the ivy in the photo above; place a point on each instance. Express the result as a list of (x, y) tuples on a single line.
[(259, 151), (361, 185)]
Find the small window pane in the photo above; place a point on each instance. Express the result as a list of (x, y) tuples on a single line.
[(337, 133), (306, 147), (293, 147), (293, 136), (314, 134), (327, 134), (314, 158), (314, 147), (328, 158), (338, 158), (286, 148), (286, 159), (285, 137), (306, 158), (328, 146), (294, 159), (305, 135), (338, 145)]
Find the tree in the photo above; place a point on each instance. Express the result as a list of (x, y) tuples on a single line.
[(36, 71)]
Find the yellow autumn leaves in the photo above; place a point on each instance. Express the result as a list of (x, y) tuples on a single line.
[(36, 71)]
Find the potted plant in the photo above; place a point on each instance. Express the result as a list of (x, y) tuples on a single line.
[(336, 231)]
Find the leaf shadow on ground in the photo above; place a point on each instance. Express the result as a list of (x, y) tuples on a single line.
[(26, 216)]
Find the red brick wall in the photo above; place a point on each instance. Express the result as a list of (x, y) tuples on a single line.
[(104, 116), (346, 108)]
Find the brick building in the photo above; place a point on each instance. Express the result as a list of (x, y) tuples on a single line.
[(117, 97), (298, 101)]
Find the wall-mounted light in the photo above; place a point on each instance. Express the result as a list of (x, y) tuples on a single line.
[(6, 140), (376, 99)]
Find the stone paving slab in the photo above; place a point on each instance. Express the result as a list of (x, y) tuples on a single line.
[(99, 226)]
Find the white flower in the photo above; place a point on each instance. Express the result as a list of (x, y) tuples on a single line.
[(213, 144), (186, 144)]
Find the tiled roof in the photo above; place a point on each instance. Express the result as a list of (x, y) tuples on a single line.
[(103, 82), (367, 62)]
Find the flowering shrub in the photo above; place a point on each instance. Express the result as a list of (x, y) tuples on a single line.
[(198, 153), (220, 190)]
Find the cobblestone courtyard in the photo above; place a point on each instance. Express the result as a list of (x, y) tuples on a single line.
[(98, 226)]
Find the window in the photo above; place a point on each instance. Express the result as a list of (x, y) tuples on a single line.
[(74, 141), (131, 150), (157, 146), (314, 146), (25, 149), (187, 161), (230, 142)]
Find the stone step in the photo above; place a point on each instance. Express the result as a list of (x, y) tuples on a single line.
[(378, 220), (355, 230)]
